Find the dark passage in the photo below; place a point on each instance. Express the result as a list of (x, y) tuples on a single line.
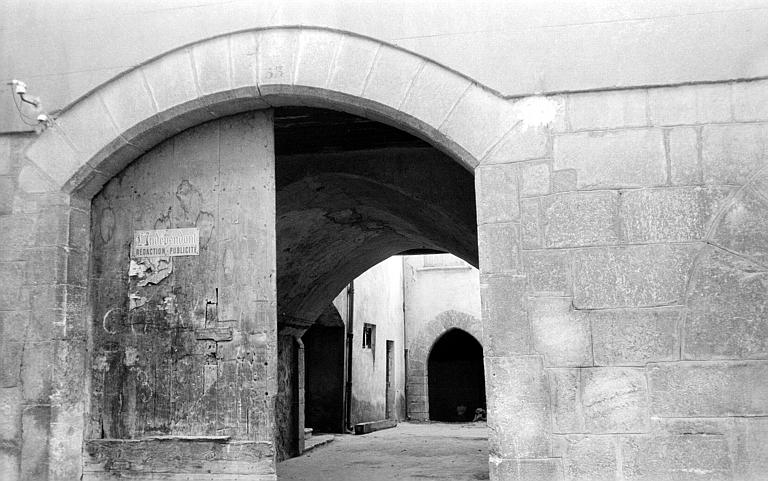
[(456, 378)]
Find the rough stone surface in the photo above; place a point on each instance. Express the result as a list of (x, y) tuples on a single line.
[(564, 180), (636, 276), (690, 104), (526, 469), (669, 215), (731, 153), (499, 248), (685, 167), (479, 121), (744, 227), (607, 110), (560, 334), (614, 400), (589, 458), (689, 389), (522, 143), (565, 392), (627, 337), (534, 178), (497, 190), (530, 224), (518, 406), (580, 219), (548, 272), (506, 329), (688, 457), (728, 305), (626, 158)]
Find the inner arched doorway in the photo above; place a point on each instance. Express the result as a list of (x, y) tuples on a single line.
[(456, 378)]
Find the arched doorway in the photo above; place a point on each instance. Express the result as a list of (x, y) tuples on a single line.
[(96, 138), (456, 377)]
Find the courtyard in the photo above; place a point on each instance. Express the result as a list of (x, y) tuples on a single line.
[(410, 451)]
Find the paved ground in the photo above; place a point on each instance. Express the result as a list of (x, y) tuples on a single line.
[(407, 452)]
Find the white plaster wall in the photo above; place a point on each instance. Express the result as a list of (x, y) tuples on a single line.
[(430, 290), (379, 301), (64, 49)]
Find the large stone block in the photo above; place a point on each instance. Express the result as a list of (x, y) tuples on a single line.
[(565, 393), (614, 400), (548, 272), (627, 158), (10, 362), (534, 178), (128, 100), (523, 142), (505, 324), (55, 157), (6, 159), (519, 420), (686, 389), (9, 465), (580, 219), (607, 110), (728, 304), (530, 223), (7, 191), (732, 153), (353, 63), (627, 337), (37, 370), (685, 168), (276, 53), (548, 469), (744, 226), (669, 215), (750, 456), (750, 101), (690, 104), (499, 246), (633, 276), (10, 413), (212, 65), (687, 457), (35, 424), (479, 120), (560, 333), (391, 76), (171, 79), (497, 193), (589, 458), (434, 92), (315, 57)]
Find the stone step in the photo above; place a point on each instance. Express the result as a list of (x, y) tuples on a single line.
[(317, 441), (307, 433), (365, 428)]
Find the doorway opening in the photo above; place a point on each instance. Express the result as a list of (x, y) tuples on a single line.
[(456, 378), (350, 194)]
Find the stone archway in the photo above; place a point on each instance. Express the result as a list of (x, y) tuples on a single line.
[(418, 353), (96, 137)]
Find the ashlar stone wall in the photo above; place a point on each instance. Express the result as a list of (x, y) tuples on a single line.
[(634, 227)]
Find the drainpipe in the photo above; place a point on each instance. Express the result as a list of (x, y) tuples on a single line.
[(350, 345)]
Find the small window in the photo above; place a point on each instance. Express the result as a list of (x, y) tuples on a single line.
[(369, 336)]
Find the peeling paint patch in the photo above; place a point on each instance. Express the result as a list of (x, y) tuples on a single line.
[(150, 270), (537, 111), (131, 356), (100, 363), (169, 304), (135, 300)]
